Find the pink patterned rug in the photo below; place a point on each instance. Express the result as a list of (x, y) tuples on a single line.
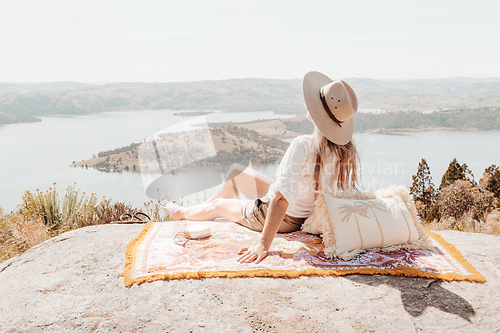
[(153, 255)]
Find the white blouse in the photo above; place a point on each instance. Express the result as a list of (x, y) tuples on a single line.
[(293, 181)]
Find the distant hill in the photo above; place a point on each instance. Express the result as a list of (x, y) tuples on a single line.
[(30, 88), (6, 118), (481, 119), (458, 86), (233, 95), (426, 95), (240, 95)]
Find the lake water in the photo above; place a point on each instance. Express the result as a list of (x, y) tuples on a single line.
[(36, 155)]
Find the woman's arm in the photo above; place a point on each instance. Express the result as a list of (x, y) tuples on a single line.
[(275, 214)]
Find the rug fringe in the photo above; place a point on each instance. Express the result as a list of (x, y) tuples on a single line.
[(401, 271), (130, 255)]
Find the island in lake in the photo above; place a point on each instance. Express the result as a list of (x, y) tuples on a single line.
[(214, 146)]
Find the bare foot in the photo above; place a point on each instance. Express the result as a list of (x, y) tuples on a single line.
[(175, 211)]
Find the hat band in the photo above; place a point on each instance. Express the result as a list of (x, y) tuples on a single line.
[(327, 109)]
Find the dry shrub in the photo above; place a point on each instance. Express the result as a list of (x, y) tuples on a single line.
[(5, 232), (107, 212), (7, 248), (450, 223), (421, 209), (58, 214), (466, 224), (153, 210), (490, 225), (465, 207), (77, 210), (462, 198), (493, 223), (28, 233), (43, 215), (443, 224)]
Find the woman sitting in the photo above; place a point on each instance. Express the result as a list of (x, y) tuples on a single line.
[(321, 161)]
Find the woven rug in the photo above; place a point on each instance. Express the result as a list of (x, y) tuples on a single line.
[(153, 255)]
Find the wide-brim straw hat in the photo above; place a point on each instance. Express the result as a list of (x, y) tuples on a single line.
[(331, 104)]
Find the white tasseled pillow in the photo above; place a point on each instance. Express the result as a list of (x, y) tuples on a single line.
[(352, 222), (364, 224)]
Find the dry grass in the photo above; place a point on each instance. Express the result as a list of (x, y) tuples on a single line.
[(66, 213), (18, 234), (493, 222), (26, 233), (153, 210), (7, 248), (43, 214), (107, 212), (490, 225)]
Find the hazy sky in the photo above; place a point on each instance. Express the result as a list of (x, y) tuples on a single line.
[(162, 40)]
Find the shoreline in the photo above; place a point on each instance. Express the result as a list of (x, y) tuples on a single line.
[(282, 133), (234, 149)]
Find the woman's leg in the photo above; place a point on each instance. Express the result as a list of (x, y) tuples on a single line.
[(250, 183), (224, 202), (226, 208)]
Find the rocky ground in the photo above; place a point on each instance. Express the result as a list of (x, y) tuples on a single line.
[(72, 283)]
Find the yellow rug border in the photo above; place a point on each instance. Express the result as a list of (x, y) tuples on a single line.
[(130, 258), (452, 250), (130, 254)]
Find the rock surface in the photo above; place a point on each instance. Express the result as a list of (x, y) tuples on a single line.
[(72, 283)]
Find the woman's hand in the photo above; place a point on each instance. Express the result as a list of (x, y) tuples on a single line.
[(274, 217), (255, 252)]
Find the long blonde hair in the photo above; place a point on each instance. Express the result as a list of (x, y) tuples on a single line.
[(343, 158)]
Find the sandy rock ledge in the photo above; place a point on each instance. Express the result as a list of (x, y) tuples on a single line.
[(72, 283)]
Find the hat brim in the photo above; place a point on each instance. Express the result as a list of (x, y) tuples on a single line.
[(311, 85)]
